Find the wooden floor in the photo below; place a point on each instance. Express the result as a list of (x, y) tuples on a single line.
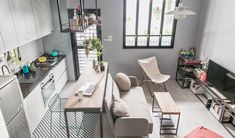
[(193, 113)]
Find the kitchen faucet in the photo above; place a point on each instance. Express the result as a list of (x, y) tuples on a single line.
[(4, 66)]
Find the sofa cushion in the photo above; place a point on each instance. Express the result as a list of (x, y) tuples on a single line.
[(123, 82), (138, 106), (120, 108)]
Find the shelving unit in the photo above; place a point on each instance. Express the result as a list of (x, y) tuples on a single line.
[(218, 105), (184, 71), (66, 14)]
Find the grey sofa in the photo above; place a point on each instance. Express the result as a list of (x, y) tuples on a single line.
[(140, 122)]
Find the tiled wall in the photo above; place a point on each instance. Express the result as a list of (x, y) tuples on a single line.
[(29, 53)]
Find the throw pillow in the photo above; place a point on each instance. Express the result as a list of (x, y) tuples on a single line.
[(123, 81), (120, 108)]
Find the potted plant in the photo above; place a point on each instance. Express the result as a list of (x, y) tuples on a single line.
[(92, 44)]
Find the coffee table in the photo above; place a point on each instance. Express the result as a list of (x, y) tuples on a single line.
[(168, 107)]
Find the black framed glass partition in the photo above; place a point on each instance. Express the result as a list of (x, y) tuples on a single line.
[(82, 19)]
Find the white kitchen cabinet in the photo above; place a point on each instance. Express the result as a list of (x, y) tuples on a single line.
[(34, 108), (19, 20), (42, 16), (61, 81), (7, 28), (29, 19), (23, 18), (60, 75), (3, 127), (59, 69)]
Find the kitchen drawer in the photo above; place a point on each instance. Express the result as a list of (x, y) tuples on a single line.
[(18, 127), (61, 81), (59, 69)]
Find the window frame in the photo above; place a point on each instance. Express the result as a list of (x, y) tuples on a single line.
[(171, 46)]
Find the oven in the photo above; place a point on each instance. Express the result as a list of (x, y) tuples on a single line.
[(48, 87)]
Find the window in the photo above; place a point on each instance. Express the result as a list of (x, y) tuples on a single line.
[(146, 24)]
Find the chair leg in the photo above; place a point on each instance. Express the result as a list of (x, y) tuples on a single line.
[(153, 104), (149, 89), (164, 85), (141, 83)]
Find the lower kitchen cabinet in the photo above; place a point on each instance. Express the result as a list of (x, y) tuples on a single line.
[(3, 128), (60, 75), (34, 108), (61, 81)]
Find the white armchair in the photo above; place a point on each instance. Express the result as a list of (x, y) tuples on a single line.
[(151, 73)]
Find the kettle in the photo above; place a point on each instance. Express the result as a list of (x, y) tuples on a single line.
[(54, 53), (25, 69)]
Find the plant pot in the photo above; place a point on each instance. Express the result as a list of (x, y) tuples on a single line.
[(102, 68)]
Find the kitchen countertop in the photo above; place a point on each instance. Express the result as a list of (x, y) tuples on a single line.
[(5, 79), (29, 81)]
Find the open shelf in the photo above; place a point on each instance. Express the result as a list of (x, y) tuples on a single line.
[(85, 17)]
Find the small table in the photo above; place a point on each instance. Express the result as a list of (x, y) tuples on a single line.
[(168, 107), (89, 104)]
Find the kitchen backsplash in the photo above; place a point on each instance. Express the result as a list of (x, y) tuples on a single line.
[(28, 53)]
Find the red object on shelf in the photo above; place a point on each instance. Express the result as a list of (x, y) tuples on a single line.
[(203, 77), (193, 61), (188, 61), (202, 132)]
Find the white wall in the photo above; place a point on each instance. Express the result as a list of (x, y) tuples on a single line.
[(217, 32), (125, 60), (31, 51)]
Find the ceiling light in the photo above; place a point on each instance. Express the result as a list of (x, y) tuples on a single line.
[(181, 12)]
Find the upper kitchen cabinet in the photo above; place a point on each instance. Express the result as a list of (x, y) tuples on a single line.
[(42, 15), (22, 14), (7, 28), (29, 19)]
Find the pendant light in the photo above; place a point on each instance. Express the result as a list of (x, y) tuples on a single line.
[(181, 12)]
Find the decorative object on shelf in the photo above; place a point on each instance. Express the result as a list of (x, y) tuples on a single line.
[(205, 64), (79, 17), (74, 22), (181, 11), (94, 63), (197, 72), (102, 67), (188, 54), (203, 77)]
